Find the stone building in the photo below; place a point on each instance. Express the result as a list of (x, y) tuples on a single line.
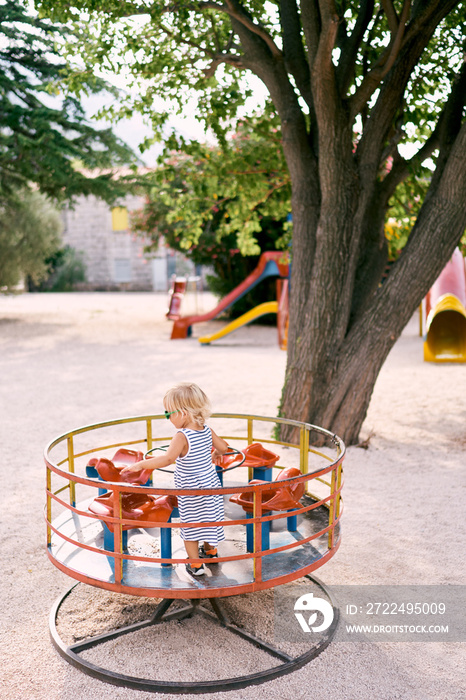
[(114, 258)]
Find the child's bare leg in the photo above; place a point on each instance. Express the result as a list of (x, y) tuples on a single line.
[(192, 550)]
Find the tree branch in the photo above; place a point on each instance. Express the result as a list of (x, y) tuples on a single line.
[(295, 57), (236, 11), (217, 42), (397, 38), (450, 124), (446, 130), (402, 167), (392, 17), (323, 72), (385, 63), (417, 36), (310, 18), (231, 59), (351, 45), (439, 226)]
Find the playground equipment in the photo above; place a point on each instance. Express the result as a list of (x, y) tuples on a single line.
[(270, 265), (179, 287), (176, 296), (277, 529), (443, 314), (269, 307)]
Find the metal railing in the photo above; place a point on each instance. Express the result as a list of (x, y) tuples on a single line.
[(69, 473)]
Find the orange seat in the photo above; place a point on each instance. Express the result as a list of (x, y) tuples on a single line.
[(135, 506), (227, 461), (258, 456), (108, 471), (125, 457), (276, 497)]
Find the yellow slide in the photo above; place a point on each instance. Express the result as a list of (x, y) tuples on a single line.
[(444, 320), (269, 307)]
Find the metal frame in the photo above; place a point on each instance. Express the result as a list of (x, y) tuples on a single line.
[(332, 502), (67, 470), (288, 664)]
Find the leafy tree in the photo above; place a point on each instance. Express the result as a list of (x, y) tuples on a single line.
[(43, 138), (30, 229), (221, 207), (66, 269), (351, 84)]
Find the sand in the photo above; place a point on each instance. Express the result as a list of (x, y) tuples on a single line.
[(74, 359)]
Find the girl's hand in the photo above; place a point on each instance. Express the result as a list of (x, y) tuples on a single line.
[(133, 469), (219, 447), (217, 457)]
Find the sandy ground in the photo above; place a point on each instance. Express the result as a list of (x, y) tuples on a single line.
[(69, 360)]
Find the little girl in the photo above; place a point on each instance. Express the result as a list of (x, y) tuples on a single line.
[(187, 407)]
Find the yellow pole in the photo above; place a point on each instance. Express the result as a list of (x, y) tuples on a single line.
[(149, 442), (331, 511), (304, 453), (339, 473), (117, 537), (71, 470), (257, 512), (250, 441), (49, 507), (149, 434)]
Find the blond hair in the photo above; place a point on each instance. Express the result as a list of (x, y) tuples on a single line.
[(188, 398)]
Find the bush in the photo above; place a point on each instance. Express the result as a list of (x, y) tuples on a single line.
[(30, 232), (67, 269)]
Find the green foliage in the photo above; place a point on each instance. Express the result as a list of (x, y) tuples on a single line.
[(30, 229), (185, 51), (194, 55), (403, 209), (66, 269), (222, 207), (161, 51), (44, 134), (462, 245), (225, 191)]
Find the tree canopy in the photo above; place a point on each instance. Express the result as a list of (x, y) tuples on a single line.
[(353, 84), (237, 185), (45, 136), (30, 232)]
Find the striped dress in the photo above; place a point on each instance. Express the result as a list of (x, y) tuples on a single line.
[(196, 471)]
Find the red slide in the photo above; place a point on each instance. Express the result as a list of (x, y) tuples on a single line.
[(269, 265)]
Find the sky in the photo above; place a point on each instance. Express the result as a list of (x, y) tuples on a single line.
[(133, 131)]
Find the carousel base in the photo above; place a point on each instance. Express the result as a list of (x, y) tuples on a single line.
[(162, 614), (155, 580)]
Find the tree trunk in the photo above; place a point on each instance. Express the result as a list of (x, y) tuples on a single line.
[(333, 362)]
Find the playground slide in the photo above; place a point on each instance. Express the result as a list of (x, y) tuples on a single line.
[(269, 265), (444, 314), (269, 307)]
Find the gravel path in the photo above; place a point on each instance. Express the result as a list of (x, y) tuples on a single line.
[(73, 359)]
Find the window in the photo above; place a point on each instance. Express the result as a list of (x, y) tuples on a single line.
[(119, 219), (122, 270)]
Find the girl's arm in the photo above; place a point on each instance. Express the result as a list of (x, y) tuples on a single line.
[(219, 445), (175, 449)]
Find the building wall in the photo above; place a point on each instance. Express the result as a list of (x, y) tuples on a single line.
[(114, 259)]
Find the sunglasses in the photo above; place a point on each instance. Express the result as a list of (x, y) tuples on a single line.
[(169, 413)]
